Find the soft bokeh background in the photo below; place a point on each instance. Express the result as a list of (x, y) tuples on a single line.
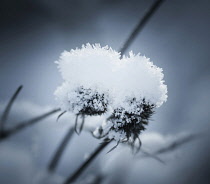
[(34, 33)]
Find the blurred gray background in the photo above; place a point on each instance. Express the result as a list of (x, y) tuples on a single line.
[(34, 33)]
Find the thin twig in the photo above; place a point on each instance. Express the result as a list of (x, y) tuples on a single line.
[(76, 123), (140, 26), (56, 157), (99, 179), (61, 114), (176, 144), (171, 147), (8, 108), (80, 170), (26, 124), (147, 154)]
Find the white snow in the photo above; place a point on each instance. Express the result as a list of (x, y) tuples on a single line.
[(101, 70)]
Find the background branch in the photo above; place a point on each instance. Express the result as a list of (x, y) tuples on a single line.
[(56, 157), (8, 108), (25, 124), (140, 26)]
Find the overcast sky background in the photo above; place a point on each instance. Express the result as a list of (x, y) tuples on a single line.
[(34, 33)]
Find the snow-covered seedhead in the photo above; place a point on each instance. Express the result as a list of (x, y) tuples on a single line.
[(81, 101), (96, 79), (137, 77), (92, 65), (87, 75), (129, 123), (125, 125)]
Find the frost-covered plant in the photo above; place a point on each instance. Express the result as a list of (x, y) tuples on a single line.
[(87, 73), (82, 101), (139, 90), (127, 90), (97, 81), (126, 125)]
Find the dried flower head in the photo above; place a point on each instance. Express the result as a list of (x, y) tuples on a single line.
[(82, 101), (131, 123), (87, 72), (141, 91)]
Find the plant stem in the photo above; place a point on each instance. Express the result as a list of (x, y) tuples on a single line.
[(7, 109), (56, 157), (127, 43), (140, 26), (26, 124), (80, 170)]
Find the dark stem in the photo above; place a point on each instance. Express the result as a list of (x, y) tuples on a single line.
[(140, 25), (7, 109), (80, 170), (61, 115), (26, 124), (171, 147), (176, 144), (56, 157), (76, 122)]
